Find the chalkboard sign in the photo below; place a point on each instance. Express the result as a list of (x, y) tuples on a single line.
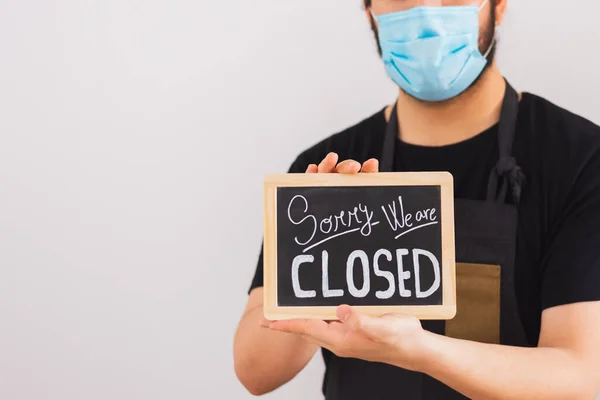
[(381, 242)]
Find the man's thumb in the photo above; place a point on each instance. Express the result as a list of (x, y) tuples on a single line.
[(374, 328)]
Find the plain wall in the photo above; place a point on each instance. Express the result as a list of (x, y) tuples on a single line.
[(134, 136)]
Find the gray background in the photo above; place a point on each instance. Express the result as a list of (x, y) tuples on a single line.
[(134, 136)]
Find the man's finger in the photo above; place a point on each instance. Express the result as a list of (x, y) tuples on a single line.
[(328, 164), (370, 166), (264, 323), (299, 326), (348, 167), (315, 330), (349, 317), (312, 169)]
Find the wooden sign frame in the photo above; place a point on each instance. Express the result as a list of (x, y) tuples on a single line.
[(444, 180)]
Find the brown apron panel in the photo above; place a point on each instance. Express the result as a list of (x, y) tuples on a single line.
[(478, 304)]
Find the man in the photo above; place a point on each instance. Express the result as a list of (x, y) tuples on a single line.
[(527, 187)]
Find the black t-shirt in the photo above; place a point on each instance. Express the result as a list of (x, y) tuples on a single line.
[(558, 237)]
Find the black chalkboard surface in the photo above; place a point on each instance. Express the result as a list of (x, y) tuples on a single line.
[(382, 242)]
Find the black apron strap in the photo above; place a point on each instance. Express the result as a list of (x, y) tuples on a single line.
[(507, 172)]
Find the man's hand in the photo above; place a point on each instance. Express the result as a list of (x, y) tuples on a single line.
[(392, 338), (330, 165)]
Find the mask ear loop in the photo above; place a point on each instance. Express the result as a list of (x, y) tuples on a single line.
[(487, 53), (489, 50)]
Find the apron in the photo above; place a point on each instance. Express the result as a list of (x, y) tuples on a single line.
[(487, 309)]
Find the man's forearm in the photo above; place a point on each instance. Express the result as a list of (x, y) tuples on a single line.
[(265, 360), (485, 371)]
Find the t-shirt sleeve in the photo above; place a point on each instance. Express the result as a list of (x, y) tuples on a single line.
[(571, 265), (298, 166)]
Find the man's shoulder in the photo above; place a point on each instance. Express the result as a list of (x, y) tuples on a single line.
[(560, 153), (359, 141), (554, 123), (561, 141)]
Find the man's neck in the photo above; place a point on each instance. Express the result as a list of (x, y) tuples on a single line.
[(455, 120)]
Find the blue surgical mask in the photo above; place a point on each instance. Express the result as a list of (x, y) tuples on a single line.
[(432, 53)]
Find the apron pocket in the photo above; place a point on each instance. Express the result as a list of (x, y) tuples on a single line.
[(478, 304)]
